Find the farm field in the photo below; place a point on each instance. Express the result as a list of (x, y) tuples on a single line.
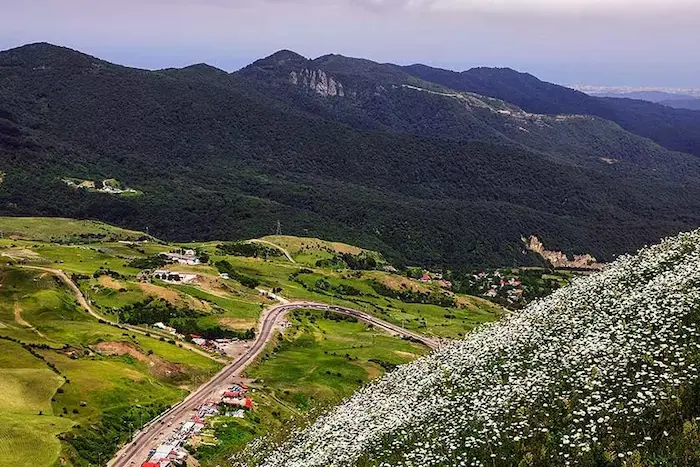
[(95, 382)]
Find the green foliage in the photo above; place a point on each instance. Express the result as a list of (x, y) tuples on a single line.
[(359, 262), (250, 249), (151, 262), (414, 296), (152, 311), (226, 268), (95, 444), (391, 172), (676, 129)]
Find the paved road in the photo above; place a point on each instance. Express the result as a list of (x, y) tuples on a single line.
[(136, 452)]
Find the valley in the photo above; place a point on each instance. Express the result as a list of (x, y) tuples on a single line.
[(451, 280), (118, 347)]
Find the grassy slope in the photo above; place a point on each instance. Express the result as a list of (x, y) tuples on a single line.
[(291, 381), (26, 387), (101, 383), (60, 229), (315, 364)]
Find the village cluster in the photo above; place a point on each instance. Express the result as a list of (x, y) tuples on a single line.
[(496, 284), (427, 277), (234, 402)]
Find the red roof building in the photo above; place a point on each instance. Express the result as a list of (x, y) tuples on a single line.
[(150, 464)]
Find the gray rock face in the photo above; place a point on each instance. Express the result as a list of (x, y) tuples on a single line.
[(318, 81)]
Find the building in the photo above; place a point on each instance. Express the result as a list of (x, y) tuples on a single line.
[(173, 276), (162, 326), (237, 402), (188, 258)]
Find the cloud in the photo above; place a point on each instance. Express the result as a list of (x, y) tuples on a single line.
[(510, 7)]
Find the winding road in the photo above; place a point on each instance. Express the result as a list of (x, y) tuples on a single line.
[(136, 452), (155, 432)]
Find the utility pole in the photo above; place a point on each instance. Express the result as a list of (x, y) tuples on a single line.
[(279, 228)]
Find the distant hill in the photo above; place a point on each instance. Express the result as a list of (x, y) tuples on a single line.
[(675, 129), (365, 153), (651, 96), (384, 97), (691, 103), (668, 99)]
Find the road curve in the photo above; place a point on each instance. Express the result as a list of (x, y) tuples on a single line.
[(276, 246), (135, 453)]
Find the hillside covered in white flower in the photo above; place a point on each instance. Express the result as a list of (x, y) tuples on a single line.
[(603, 372)]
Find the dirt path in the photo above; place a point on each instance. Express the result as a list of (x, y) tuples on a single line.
[(84, 303), (274, 245), (22, 322)]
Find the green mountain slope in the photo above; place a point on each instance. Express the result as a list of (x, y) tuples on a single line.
[(675, 129), (369, 95), (214, 155)]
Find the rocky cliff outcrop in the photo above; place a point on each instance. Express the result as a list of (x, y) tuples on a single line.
[(318, 81), (559, 259)]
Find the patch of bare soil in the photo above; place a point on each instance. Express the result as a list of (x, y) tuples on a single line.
[(343, 248), (110, 283), (160, 292), (396, 282), (20, 253), (22, 322), (212, 285), (18, 316), (174, 297), (157, 366), (401, 353), (238, 323)]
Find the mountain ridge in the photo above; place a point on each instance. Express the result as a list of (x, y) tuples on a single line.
[(218, 155)]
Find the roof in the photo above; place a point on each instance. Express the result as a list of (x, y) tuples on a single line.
[(150, 464)]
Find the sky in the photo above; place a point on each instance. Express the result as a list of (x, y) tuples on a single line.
[(595, 42)]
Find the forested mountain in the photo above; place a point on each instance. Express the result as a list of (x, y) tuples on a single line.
[(368, 95), (675, 129), (690, 104), (335, 147)]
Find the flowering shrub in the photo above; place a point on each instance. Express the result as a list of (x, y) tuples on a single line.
[(603, 372)]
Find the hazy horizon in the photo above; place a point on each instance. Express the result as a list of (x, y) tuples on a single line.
[(615, 43)]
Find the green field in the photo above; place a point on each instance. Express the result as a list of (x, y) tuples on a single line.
[(85, 384), (26, 388), (63, 230), (307, 251), (95, 383)]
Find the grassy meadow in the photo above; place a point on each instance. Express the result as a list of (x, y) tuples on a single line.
[(319, 361), (73, 388)]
